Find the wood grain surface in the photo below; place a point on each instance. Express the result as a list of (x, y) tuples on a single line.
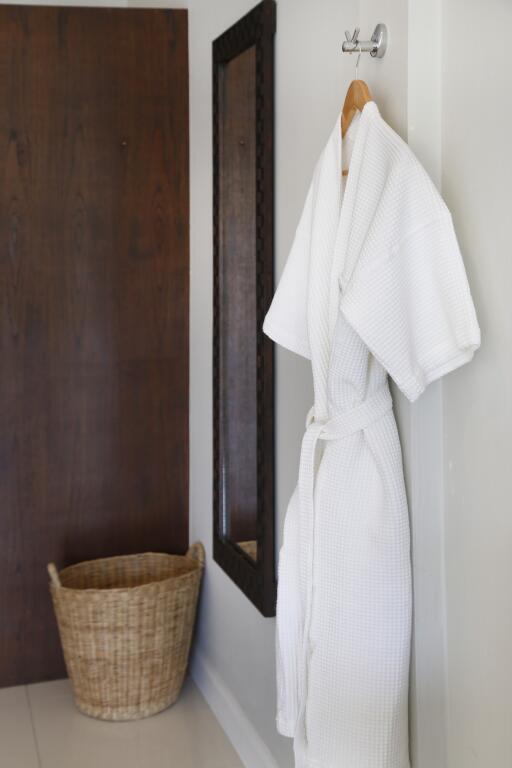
[(94, 276)]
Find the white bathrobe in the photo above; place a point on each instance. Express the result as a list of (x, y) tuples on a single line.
[(374, 285)]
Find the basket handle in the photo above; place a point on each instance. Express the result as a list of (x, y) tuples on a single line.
[(54, 576), (196, 552)]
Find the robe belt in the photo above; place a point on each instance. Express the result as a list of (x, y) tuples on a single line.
[(337, 427)]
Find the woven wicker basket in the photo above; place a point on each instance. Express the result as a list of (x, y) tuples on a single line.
[(126, 625)]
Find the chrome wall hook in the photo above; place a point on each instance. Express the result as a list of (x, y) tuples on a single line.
[(376, 47)]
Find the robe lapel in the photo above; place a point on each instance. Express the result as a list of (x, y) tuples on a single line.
[(351, 233), (332, 217)]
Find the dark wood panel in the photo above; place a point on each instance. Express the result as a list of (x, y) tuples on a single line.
[(94, 270)]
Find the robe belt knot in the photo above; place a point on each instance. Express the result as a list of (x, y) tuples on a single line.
[(347, 422)]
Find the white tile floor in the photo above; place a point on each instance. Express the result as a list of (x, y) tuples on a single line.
[(40, 728)]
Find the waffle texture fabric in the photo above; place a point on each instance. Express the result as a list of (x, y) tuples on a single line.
[(374, 285)]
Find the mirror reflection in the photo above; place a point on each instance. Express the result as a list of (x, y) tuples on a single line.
[(238, 308)]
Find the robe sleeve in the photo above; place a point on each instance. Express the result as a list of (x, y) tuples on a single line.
[(286, 320), (412, 306)]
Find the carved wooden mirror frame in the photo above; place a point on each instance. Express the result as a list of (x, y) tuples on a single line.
[(243, 381)]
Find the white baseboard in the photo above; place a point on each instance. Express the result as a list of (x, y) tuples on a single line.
[(252, 750)]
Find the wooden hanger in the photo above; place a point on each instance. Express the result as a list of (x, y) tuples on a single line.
[(358, 95)]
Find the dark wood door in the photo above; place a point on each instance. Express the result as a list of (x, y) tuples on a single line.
[(94, 272)]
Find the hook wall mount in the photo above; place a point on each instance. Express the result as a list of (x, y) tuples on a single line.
[(376, 46)]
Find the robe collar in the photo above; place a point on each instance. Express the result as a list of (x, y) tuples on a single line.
[(331, 217)]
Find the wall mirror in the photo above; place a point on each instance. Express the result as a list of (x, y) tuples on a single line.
[(243, 383)]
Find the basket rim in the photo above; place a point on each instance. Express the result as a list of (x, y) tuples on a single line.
[(197, 567)]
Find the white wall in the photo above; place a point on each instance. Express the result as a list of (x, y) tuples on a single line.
[(422, 436), (477, 173)]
